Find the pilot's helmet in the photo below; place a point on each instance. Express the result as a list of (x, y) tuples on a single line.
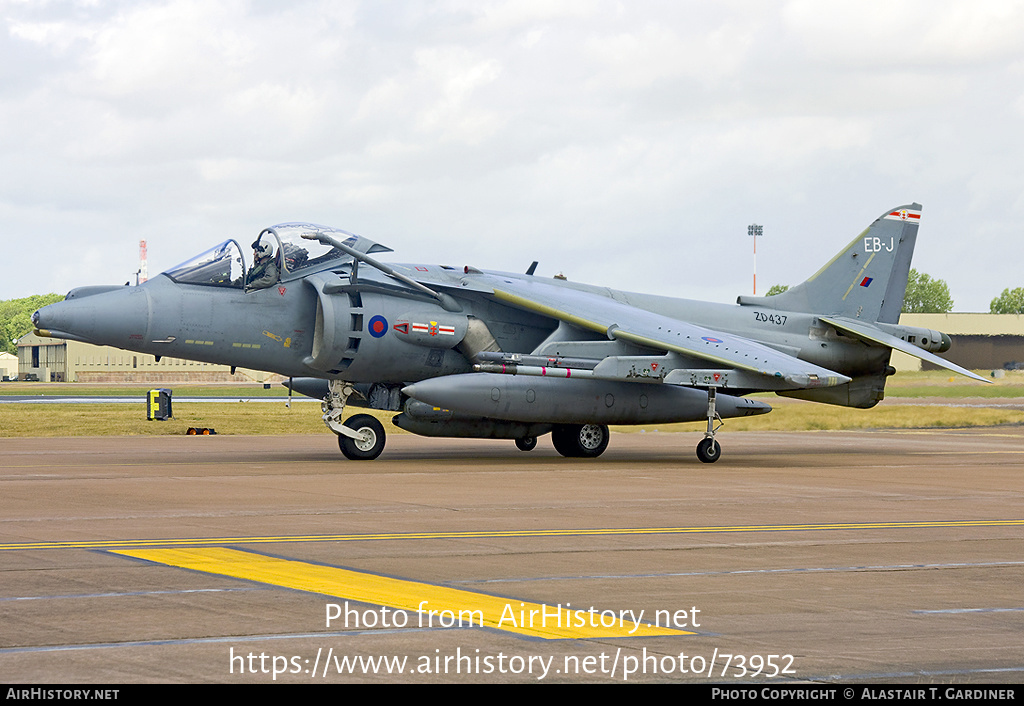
[(263, 250)]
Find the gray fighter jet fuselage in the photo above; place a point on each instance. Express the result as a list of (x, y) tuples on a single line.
[(470, 353)]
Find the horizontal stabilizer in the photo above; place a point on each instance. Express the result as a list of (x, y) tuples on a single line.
[(871, 334)]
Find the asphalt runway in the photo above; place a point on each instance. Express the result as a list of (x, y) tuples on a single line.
[(848, 557)]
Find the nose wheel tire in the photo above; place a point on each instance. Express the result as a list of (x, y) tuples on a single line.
[(580, 440), (370, 442), (709, 450)]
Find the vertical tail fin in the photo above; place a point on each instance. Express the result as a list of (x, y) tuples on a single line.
[(866, 281)]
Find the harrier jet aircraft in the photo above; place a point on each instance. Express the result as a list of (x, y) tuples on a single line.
[(463, 352)]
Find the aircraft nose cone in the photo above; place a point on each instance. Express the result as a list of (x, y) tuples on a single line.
[(47, 318), (62, 317), (113, 318)]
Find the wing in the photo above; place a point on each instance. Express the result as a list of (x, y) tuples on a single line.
[(758, 365)]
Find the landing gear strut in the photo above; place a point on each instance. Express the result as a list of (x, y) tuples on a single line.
[(361, 437), (709, 450)]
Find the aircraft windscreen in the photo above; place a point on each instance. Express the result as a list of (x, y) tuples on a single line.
[(220, 266), (300, 254)]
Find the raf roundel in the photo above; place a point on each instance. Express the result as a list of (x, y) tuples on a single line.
[(378, 326)]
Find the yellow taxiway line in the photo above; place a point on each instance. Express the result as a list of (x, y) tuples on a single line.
[(472, 534), (427, 604)]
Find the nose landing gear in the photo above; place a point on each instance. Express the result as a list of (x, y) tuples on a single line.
[(361, 437)]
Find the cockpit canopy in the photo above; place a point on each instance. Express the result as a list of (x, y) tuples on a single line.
[(278, 253)]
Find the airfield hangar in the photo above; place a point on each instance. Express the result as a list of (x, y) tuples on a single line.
[(59, 360)]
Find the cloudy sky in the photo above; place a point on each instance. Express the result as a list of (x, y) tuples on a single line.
[(622, 143)]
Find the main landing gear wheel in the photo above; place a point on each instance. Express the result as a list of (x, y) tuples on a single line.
[(580, 440), (370, 442), (527, 443), (709, 450)]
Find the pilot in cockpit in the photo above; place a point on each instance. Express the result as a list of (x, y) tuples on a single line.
[(264, 271)]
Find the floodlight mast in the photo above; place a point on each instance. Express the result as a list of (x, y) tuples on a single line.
[(755, 231)]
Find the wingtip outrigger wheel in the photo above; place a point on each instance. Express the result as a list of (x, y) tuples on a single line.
[(709, 450)]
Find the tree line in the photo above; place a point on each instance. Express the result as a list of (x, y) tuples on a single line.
[(16, 317)]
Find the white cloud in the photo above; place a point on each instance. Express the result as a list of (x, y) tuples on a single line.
[(55, 36), (573, 130), (872, 34)]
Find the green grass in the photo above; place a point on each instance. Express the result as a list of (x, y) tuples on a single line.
[(940, 383), (789, 415), (258, 418), (263, 418)]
